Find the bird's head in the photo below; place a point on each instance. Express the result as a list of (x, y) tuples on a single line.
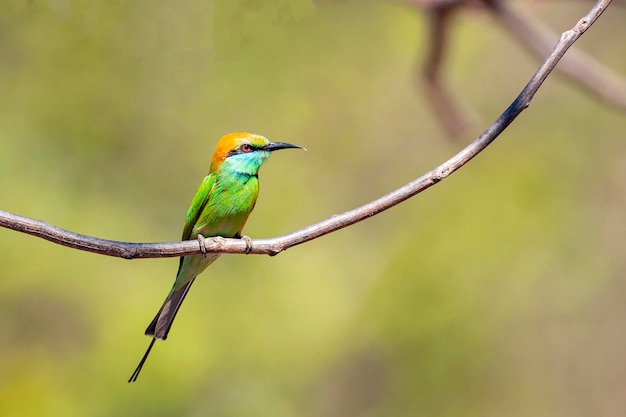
[(245, 151)]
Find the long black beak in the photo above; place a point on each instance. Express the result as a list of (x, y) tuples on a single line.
[(275, 146)]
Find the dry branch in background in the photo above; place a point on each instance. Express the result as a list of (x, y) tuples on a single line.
[(275, 245), (586, 72)]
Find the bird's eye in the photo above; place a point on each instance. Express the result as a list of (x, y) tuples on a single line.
[(246, 148)]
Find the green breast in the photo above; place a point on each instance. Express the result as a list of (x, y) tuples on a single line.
[(231, 201)]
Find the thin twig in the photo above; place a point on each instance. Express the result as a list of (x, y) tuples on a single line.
[(275, 245)]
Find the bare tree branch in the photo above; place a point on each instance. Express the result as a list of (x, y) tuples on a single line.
[(447, 105), (275, 245), (444, 101), (596, 78), (591, 75)]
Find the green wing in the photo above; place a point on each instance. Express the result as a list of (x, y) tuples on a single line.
[(198, 203)]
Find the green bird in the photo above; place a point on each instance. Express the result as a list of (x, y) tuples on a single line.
[(220, 207)]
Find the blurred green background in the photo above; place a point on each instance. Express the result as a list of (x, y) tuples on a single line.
[(498, 292)]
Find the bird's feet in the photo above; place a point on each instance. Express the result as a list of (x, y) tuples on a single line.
[(248, 244), (202, 243)]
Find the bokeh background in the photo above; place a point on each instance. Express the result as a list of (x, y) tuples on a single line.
[(500, 291)]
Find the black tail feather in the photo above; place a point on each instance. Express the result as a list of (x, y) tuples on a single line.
[(160, 326), (135, 374)]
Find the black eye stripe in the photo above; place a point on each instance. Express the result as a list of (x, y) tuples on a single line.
[(245, 148)]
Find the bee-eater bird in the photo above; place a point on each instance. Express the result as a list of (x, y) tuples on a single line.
[(220, 207)]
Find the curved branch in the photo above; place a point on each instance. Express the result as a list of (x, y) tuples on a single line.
[(275, 245)]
